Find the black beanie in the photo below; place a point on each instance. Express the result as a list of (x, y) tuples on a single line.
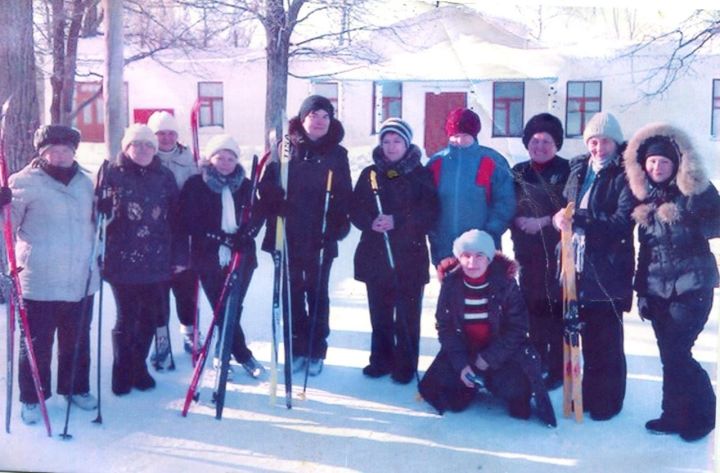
[(313, 103), (659, 146), (55, 135), (544, 122)]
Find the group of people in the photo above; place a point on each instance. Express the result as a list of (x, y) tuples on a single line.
[(172, 225)]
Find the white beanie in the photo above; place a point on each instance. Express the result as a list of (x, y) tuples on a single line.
[(475, 241), (162, 120), (603, 124), (138, 132), (221, 141)]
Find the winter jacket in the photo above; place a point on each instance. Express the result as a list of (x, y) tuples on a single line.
[(55, 232), (609, 254), (201, 214), (475, 188), (408, 193), (144, 238), (180, 162), (304, 204), (507, 315), (676, 220), (539, 194)]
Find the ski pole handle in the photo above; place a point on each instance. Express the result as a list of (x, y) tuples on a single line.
[(378, 204)]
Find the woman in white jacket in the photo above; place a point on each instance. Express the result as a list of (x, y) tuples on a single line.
[(52, 206)]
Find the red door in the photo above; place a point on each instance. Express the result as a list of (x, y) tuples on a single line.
[(437, 107), (142, 115)]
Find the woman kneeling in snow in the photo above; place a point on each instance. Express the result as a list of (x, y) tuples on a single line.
[(482, 324)]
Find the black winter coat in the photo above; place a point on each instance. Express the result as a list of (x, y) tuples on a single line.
[(675, 221), (539, 194), (144, 237), (609, 253), (305, 200), (411, 198), (201, 210)]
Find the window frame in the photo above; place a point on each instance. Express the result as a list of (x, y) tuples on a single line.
[(387, 101), (209, 104), (715, 109), (507, 107), (583, 100)]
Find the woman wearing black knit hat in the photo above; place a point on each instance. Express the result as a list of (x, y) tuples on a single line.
[(315, 135), (409, 208), (539, 183), (679, 212)]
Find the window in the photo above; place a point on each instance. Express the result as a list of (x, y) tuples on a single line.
[(387, 102), (583, 101), (328, 90), (210, 95), (508, 101), (715, 121)]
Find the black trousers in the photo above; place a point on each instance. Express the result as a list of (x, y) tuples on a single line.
[(395, 318), (212, 283), (182, 285), (546, 334), (688, 396), (604, 365), (442, 388), (69, 320), (139, 307), (309, 298)]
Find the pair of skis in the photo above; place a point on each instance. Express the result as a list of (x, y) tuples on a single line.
[(572, 369), (15, 300), (229, 297)]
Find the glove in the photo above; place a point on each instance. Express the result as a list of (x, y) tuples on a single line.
[(105, 206), (5, 196), (446, 266)]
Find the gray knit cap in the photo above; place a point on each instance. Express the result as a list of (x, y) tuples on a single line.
[(399, 127), (476, 241), (603, 124)]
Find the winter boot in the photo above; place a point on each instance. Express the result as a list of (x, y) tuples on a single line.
[(141, 377), (316, 366), (85, 401), (187, 332), (30, 413), (253, 367), (122, 369), (162, 359)]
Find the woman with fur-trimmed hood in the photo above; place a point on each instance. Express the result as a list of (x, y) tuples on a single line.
[(679, 212)]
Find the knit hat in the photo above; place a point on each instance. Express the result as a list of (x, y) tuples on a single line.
[(544, 122), (313, 103), (658, 146), (221, 141), (398, 126), (50, 135), (138, 132), (162, 120), (463, 120), (603, 124), (476, 241)]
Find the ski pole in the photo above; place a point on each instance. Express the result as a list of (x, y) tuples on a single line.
[(318, 288), (391, 262), (194, 126)]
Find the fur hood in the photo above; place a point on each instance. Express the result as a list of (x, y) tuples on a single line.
[(298, 137), (691, 177)]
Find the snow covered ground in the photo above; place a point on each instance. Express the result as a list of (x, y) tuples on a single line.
[(347, 423)]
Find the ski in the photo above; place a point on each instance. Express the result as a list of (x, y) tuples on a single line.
[(572, 370), (194, 129), (321, 260), (13, 273), (9, 298)]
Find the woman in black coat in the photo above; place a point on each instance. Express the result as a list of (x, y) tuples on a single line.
[(482, 324), (215, 207), (315, 137), (144, 248), (676, 271), (409, 208), (539, 184), (603, 230)]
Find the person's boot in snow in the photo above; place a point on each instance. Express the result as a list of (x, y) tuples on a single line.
[(30, 413)]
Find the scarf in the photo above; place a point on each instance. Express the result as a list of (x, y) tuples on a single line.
[(404, 165), (225, 186)]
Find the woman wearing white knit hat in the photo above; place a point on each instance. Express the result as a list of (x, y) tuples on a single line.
[(144, 248), (213, 205), (603, 230), (179, 159)]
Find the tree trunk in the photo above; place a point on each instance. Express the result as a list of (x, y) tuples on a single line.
[(57, 78), (278, 46), (17, 80), (113, 80)]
